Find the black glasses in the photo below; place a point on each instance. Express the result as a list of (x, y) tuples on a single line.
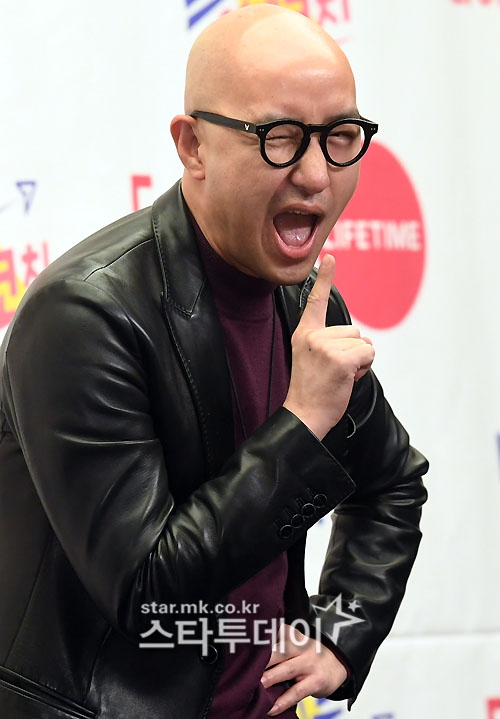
[(283, 142)]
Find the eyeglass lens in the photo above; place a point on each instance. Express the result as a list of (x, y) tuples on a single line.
[(343, 144)]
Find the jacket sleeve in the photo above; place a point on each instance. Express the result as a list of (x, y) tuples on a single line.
[(76, 396), (375, 535)]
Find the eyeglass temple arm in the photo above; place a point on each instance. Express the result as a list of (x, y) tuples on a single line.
[(226, 121)]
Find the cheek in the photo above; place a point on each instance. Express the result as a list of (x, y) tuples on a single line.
[(255, 194), (343, 186), (352, 180)]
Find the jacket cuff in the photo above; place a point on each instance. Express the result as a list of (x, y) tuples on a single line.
[(348, 688), (309, 465)]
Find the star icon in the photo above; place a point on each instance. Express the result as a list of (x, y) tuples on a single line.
[(354, 605), (349, 619)]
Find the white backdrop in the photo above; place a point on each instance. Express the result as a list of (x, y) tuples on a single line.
[(87, 91)]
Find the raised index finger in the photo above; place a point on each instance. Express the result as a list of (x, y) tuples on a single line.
[(314, 315)]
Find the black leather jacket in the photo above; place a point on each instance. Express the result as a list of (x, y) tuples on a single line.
[(119, 484)]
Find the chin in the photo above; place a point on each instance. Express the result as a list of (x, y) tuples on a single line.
[(295, 274)]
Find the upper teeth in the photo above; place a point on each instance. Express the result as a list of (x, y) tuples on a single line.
[(298, 212)]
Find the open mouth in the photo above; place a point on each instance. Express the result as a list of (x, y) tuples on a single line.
[(295, 227)]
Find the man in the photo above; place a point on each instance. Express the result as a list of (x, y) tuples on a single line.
[(156, 451)]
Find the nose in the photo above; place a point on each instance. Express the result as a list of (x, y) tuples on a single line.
[(311, 171)]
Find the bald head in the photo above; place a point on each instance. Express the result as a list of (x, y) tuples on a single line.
[(261, 64), (231, 56)]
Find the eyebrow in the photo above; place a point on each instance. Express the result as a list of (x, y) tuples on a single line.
[(352, 113)]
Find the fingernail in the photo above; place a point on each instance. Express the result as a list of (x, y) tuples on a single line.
[(274, 710), (263, 680)]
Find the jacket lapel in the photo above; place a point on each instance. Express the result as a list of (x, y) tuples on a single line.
[(194, 326)]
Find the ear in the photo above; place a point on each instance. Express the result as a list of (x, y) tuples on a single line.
[(184, 132)]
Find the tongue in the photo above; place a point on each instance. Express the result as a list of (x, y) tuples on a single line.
[(294, 229)]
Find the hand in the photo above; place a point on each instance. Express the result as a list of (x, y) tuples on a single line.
[(326, 361), (315, 668)]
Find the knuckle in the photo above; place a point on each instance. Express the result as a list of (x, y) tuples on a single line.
[(295, 694), (315, 340), (335, 356), (311, 663), (312, 298)]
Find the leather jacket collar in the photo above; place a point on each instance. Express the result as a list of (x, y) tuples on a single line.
[(193, 323)]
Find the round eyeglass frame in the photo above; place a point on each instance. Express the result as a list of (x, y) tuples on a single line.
[(369, 127)]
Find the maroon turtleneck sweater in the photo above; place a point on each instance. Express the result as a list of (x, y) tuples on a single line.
[(245, 308)]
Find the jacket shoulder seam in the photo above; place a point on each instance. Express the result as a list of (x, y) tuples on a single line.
[(115, 259)]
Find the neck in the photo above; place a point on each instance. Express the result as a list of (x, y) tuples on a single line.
[(238, 295)]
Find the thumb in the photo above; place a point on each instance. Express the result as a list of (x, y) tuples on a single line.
[(314, 315)]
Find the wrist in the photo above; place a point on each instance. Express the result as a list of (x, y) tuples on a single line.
[(315, 424)]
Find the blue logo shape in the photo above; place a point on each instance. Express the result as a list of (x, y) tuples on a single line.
[(27, 189), (330, 715), (200, 12)]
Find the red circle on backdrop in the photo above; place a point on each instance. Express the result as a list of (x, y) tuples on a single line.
[(379, 243)]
